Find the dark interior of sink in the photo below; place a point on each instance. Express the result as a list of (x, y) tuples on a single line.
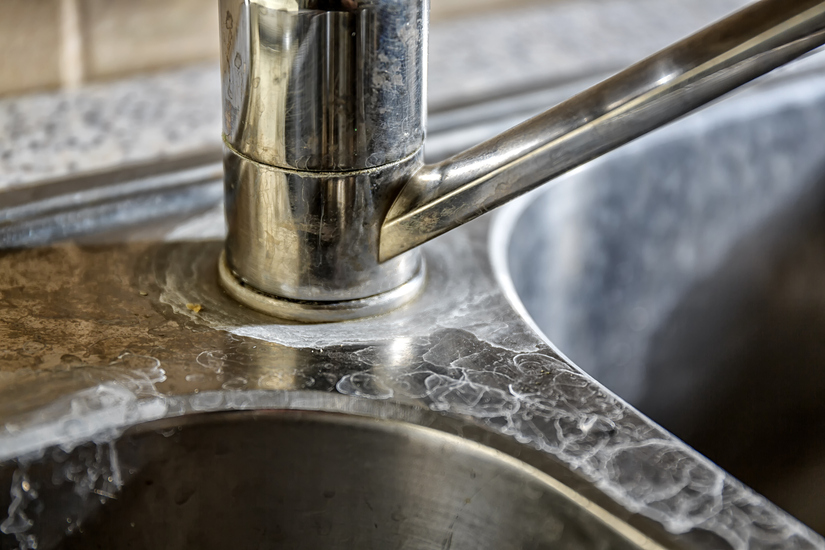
[(687, 273), (278, 479)]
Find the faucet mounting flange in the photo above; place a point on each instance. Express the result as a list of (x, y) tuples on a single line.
[(320, 312)]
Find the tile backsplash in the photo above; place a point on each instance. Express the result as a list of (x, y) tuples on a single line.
[(30, 44), (52, 43), (126, 36)]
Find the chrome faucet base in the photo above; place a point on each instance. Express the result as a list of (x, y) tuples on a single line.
[(323, 107), (311, 236), (317, 311)]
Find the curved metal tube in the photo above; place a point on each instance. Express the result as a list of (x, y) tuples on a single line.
[(662, 88)]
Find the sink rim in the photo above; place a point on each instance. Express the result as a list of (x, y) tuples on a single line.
[(763, 100), (394, 424), (476, 333)]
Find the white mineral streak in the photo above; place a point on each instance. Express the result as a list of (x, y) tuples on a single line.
[(127, 396), (456, 300), (99, 413), (480, 363), (561, 411)]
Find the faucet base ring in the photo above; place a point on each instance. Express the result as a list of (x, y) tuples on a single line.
[(319, 312)]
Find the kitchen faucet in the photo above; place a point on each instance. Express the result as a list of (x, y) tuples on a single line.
[(327, 194)]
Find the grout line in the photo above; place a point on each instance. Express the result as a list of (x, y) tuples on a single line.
[(71, 44)]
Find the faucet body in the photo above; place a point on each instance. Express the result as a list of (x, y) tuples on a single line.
[(327, 196), (324, 108)]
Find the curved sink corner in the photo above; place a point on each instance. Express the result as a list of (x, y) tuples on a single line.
[(685, 272)]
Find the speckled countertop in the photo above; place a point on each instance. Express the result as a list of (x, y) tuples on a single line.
[(51, 135)]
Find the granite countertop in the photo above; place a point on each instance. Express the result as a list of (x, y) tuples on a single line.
[(102, 126)]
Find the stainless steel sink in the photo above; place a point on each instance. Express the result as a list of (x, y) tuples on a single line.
[(133, 390), (687, 273), (279, 479)]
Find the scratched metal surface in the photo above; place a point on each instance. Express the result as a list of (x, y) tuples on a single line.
[(686, 275), (98, 339)]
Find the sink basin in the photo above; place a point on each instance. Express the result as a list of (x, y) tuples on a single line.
[(142, 407), (281, 479), (686, 272)]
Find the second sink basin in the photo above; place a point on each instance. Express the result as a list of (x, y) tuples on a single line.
[(686, 272), (291, 479)]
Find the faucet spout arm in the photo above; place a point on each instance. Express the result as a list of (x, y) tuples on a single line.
[(658, 90)]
